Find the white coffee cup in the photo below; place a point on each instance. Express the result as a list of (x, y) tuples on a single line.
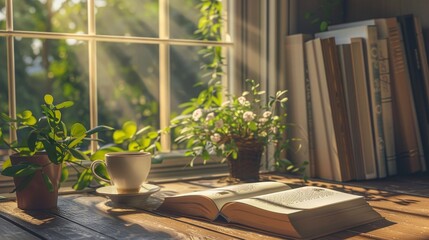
[(127, 170)]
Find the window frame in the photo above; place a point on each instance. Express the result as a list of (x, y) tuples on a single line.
[(241, 27)]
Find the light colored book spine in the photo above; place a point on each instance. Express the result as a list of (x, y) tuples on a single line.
[(386, 103), (322, 144), (373, 69), (297, 104), (369, 168)]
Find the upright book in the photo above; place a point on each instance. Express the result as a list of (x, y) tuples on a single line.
[(411, 47), (325, 144), (298, 107), (304, 213), (367, 168), (337, 99)]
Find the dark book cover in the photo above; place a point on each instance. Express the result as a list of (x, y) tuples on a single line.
[(416, 77)]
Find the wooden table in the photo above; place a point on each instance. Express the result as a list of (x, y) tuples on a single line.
[(87, 215)]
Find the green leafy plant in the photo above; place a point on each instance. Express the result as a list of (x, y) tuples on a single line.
[(214, 130), (49, 134)]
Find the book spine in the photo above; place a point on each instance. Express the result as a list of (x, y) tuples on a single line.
[(346, 66), (375, 96), (424, 66), (406, 144), (324, 143), (368, 170), (297, 107), (338, 107), (386, 103), (417, 82)]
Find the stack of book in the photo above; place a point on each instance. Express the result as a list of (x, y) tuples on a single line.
[(360, 99)]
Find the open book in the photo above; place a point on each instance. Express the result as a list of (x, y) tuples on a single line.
[(305, 212)]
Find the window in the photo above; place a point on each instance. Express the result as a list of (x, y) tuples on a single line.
[(129, 60), (117, 60)]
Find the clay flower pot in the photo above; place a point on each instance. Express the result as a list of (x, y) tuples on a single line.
[(36, 195)]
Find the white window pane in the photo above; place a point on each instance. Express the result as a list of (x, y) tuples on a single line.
[(57, 67), (68, 16), (127, 18), (128, 84)]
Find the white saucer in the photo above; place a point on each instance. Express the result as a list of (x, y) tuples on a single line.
[(128, 198)]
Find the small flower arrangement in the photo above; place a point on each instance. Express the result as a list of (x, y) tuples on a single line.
[(216, 130)]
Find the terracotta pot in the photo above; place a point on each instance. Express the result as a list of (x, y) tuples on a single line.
[(36, 194), (246, 166)]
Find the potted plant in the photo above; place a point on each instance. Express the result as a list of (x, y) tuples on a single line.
[(238, 131), (44, 147)]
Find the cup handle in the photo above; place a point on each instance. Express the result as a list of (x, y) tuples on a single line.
[(94, 165)]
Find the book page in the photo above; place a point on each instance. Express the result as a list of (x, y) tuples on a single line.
[(222, 195), (299, 199)]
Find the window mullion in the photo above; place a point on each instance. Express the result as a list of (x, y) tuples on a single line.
[(164, 72), (11, 66), (92, 58)]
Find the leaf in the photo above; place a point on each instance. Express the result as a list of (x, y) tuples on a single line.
[(133, 146), (48, 182), (24, 182), (7, 163), (253, 126), (158, 146), (26, 114), (152, 135), (78, 130), (100, 153), (11, 171), (76, 141), (129, 128), (30, 121), (84, 179), (145, 143), (64, 173), (49, 99), (51, 151), (98, 129), (31, 141), (78, 154), (65, 104), (58, 116), (119, 136)]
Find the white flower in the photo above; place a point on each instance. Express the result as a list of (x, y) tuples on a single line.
[(266, 114), (219, 123), (215, 137), (274, 129), (196, 115), (242, 100), (263, 134), (224, 104), (263, 120), (248, 116), (222, 147), (210, 116)]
